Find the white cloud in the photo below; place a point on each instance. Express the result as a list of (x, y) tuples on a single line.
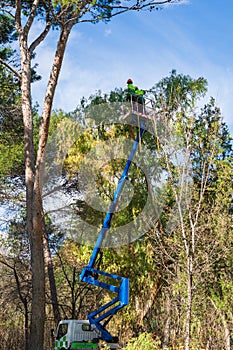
[(107, 32)]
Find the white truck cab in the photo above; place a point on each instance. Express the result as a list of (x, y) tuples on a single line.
[(76, 334)]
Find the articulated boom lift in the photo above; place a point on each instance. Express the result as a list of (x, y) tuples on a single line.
[(81, 334), (102, 316)]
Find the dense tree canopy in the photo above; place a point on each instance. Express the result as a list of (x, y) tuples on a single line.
[(180, 271), (63, 15)]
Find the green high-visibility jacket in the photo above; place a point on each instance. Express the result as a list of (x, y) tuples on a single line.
[(140, 92), (131, 89)]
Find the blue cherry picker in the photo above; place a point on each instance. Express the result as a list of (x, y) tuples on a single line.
[(85, 334)]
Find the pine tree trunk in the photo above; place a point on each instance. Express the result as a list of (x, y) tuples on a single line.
[(33, 209), (44, 129), (52, 283), (33, 181)]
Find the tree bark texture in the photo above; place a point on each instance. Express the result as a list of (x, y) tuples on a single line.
[(34, 220), (52, 283), (33, 204)]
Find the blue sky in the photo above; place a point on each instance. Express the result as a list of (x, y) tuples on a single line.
[(195, 38)]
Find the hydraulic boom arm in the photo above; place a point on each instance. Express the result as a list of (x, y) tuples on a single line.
[(90, 275)]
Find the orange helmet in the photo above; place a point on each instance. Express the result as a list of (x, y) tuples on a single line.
[(129, 81)]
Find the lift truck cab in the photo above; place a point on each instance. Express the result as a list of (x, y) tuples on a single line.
[(78, 334)]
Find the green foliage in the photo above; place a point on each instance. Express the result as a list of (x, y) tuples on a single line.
[(12, 142), (156, 263), (7, 30), (211, 141), (179, 92), (11, 125), (107, 176), (144, 341), (11, 130), (203, 220)]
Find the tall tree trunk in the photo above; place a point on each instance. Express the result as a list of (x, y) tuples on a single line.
[(26, 325), (167, 325), (33, 208), (52, 283), (44, 129), (33, 179), (227, 337), (227, 333), (189, 301)]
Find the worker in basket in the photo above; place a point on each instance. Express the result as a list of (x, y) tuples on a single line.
[(136, 97), (140, 100)]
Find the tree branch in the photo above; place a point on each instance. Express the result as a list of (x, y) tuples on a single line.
[(137, 6), (6, 264), (17, 14), (31, 16), (40, 38), (4, 63)]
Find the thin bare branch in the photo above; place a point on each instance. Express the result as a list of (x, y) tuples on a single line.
[(12, 69), (40, 38), (31, 16)]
